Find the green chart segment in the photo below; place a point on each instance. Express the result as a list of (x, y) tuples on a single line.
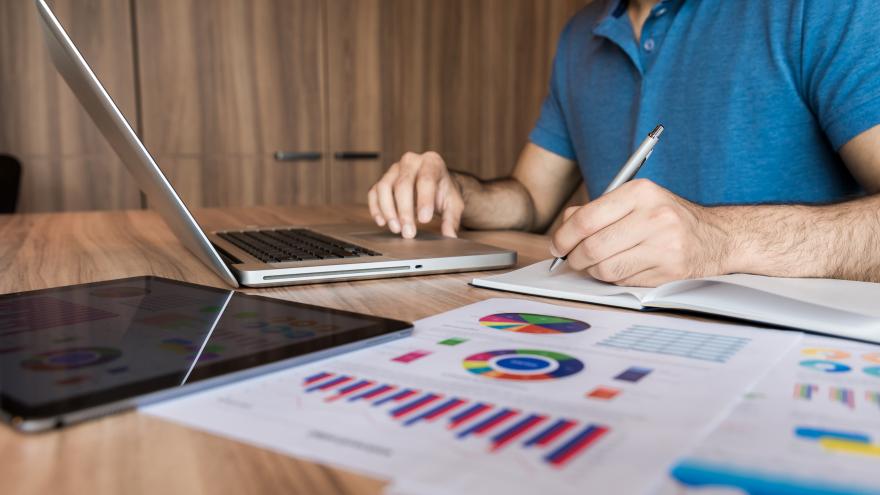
[(533, 323)]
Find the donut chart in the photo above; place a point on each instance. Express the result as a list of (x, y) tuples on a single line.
[(523, 364), (823, 353), (533, 323), (69, 359), (825, 366)]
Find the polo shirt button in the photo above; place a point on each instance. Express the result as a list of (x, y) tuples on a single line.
[(660, 12), (649, 45)]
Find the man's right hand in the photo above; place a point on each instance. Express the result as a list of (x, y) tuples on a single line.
[(416, 187)]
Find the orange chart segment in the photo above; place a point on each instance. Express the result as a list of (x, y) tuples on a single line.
[(533, 323)]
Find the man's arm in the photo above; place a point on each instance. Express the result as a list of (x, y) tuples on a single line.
[(641, 234), (420, 185)]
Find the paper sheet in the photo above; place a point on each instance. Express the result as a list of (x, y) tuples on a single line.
[(812, 426), (503, 396)]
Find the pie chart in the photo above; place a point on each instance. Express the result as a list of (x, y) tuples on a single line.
[(533, 323), (523, 364)]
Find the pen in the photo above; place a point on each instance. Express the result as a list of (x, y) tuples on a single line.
[(628, 171)]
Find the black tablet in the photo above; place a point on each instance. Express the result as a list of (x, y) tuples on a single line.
[(72, 353)]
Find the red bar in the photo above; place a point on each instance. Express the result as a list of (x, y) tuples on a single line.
[(341, 382), (445, 409), (378, 392), (576, 449), (519, 432), (318, 377), (404, 395), (553, 436), (416, 406), (476, 412), (347, 392), (495, 422)]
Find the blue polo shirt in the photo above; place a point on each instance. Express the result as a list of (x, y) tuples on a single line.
[(757, 96)]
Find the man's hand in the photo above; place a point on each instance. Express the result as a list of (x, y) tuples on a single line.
[(643, 235), (416, 187)]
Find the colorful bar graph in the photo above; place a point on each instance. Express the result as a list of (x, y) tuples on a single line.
[(576, 445), (330, 384), (369, 394), (488, 423), (399, 396), (312, 379), (843, 395), (349, 389), (560, 440), (414, 405), (551, 433), (517, 430), (468, 414), (805, 391), (872, 397), (436, 411)]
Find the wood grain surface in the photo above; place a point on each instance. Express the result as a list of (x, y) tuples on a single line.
[(67, 164), (133, 453)]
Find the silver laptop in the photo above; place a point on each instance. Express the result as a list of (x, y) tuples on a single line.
[(270, 256)]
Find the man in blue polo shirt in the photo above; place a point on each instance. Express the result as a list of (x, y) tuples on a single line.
[(769, 163)]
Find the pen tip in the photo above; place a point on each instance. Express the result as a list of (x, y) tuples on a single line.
[(554, 264), (657, 131)]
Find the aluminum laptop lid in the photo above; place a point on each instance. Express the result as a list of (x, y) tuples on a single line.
[(116, 129)]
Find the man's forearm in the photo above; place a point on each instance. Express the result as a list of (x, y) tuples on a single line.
[(836, 241), (496, 204)]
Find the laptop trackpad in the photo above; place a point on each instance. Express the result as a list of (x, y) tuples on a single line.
[(390, 236)]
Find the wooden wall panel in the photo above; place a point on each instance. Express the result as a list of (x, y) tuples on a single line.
[(67, 164), (223, 77), (466, 78)]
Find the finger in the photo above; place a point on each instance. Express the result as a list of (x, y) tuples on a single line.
[(451, 221), (426, 192), (624, 265), (591, 218), (373, 202), (386, 200), (569, 212), (618, 237), (403, 200)]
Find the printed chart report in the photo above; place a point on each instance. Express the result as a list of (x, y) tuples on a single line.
[(503, 396)]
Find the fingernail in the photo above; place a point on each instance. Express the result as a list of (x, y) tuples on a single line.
[(379, 220), (425, 215), (394, 225), (409, 231), (555, 252)]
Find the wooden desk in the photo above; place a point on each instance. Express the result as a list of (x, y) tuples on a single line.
[(134, 453)]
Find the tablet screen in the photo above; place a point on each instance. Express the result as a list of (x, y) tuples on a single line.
[(75, 347)]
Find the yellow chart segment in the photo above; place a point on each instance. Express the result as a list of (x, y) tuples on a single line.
[(837, 445), (825, 353)]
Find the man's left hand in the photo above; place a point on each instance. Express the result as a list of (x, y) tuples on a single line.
[(643, 235)]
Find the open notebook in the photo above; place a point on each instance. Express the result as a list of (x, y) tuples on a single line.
[(834, 307)]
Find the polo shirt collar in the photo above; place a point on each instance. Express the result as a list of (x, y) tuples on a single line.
[(614, 25)]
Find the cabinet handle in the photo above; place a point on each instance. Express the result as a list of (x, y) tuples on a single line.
[(356, 155), (298, 156)]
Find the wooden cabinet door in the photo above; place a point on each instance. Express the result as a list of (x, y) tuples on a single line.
[(67, 164), (233, 82)]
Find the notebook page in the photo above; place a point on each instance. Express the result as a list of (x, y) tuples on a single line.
[(862, 298), (564, 283)]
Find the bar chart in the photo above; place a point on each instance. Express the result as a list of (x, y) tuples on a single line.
[(557, 441)]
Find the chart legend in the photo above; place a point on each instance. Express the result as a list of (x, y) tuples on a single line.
[(604, 393), (558, 441), (633, 374)]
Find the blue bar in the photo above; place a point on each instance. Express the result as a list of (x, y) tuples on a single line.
[(819, 433), (377, 390), (392, 397), (422, 416), (479, 425), (353, 386), (571, 443), (413, 404), (467, 411), (547, 432), (327, 384), (513, 428), (316, 376)]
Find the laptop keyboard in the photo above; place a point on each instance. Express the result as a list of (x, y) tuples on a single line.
[(282, 245)]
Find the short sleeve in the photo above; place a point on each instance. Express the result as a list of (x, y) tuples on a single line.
[(841, 66), (551, 132)]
